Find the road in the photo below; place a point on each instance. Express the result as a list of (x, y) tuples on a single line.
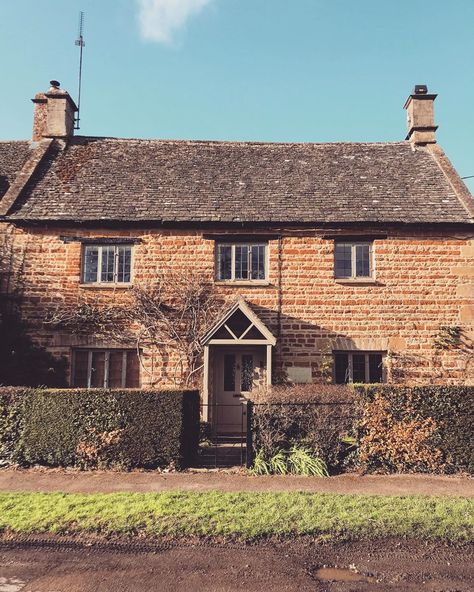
[(381, 566)]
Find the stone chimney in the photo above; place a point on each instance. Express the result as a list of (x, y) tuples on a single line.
[(420, 116), (54, 114)]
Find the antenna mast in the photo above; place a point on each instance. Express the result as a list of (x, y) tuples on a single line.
[(81, 44)]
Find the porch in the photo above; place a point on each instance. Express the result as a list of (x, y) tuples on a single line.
[(237, 359)]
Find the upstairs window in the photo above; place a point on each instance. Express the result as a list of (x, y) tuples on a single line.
[(107, 264), (241, 262), (353, 260), (113, 368), (358, 367)]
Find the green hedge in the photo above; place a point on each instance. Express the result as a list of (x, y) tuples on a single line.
[(450, 411), (12, 400), (98, 428)]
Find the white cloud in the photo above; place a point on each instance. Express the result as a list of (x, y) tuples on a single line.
[(160, 19)]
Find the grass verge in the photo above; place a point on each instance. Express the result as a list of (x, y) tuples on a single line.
[(246, 515)]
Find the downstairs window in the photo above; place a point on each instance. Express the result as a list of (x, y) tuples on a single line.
[(112, 368), (358, 367)]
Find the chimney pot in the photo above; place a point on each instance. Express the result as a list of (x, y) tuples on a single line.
[(420, 89)]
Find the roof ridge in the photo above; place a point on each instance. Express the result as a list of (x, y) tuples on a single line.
[(16, 142), (240, 142)]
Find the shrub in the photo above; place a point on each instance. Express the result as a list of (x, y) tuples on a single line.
[(302, 462), (316, 417), (420, 428), (103, 428), (297, 461)]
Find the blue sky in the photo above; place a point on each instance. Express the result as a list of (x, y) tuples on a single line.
[(272, 70)]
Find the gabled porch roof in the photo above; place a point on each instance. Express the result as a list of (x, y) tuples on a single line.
[(239, 326)]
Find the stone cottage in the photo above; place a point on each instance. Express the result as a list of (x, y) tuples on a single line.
[(340, 261)]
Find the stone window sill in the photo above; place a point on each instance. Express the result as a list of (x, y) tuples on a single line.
[(238, 284), (357, 281), (111, 286)]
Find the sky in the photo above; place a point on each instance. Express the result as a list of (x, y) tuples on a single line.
[(265, 70)]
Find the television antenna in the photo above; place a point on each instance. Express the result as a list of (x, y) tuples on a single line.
[(80, 43)]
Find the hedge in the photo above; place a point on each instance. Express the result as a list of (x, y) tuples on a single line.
[(385, 428), (419, 428), (98, 428), (319, 417), (12, 400)]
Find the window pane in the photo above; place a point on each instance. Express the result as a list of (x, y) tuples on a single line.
[(115, 369), (258, 262), (341, 368), (362, 261), (343, 254), (241, 262), (375, 368), (224, 262), (358, 368), (81, 362), (124, 264), (108, 256), (98, 369), (91, 260), (229, 372), (246, 377), (132, 379)]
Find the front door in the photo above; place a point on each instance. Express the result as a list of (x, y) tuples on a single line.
[(237, 372)]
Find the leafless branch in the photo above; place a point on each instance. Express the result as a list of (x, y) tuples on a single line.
[(172, 313)]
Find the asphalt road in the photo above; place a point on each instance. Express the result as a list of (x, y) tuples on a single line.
[(373, 566)]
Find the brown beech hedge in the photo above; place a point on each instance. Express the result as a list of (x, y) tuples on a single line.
[(98, 428), (419, 428)]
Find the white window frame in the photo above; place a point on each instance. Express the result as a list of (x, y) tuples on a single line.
[(350, 364), (106, 353), (98, 281), (353, 245), (233, 246)]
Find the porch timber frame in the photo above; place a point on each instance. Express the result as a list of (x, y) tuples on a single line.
[(236, 339)]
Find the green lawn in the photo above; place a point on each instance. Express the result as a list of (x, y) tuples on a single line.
[(241, 515)]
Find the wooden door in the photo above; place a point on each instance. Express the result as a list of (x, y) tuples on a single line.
[(237, 372)]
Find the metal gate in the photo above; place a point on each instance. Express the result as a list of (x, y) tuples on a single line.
[(222, 444)]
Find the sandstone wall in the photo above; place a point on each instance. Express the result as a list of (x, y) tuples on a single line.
[(423, 280)]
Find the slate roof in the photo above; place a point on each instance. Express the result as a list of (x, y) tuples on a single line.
[(95, 179), (13, 156)]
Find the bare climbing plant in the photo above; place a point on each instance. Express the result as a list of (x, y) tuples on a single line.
[(170, 314), (452, 338)]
